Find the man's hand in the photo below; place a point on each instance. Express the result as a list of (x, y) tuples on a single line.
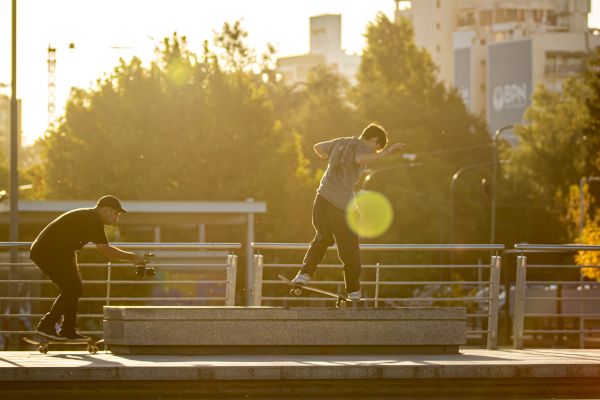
[(138, 260), (394, 148)]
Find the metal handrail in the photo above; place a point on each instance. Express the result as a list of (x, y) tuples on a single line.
[(522, 283), (493, 284), (226, 296), (385, 247), (556, 247), (144, 245)]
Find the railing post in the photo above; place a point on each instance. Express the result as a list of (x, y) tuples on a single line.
[(377, 285), (493, 308), (108, 279), (258, 278), (231, 279), (519, 314)]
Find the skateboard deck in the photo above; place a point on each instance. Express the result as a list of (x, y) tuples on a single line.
[(296, 290), (44, 343)]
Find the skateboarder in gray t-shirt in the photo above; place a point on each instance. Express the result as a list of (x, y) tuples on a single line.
[(347, 158)]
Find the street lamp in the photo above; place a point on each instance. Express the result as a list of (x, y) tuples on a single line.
[(495, 180), (407, 156), (455, 177), (582, 182)]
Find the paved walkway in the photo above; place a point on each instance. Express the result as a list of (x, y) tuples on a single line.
[(471, 363), (473, 374)]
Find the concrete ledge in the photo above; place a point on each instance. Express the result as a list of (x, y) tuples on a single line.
[(273, 330)]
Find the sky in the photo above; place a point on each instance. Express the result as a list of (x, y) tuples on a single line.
[(104, 30)]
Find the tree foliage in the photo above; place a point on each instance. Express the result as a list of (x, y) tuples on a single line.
[(558, 144), (397, 87), (187, 127)]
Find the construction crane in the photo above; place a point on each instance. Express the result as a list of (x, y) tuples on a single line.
[(52, 82)]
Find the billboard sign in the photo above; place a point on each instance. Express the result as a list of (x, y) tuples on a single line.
[(510, 82), (462, 74)]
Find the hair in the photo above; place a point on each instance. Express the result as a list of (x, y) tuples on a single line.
[(375, 131)]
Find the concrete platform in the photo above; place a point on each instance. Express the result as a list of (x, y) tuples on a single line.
[(277, 330), (471, 374)]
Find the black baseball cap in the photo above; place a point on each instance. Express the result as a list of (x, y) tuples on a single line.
[(112, 202)]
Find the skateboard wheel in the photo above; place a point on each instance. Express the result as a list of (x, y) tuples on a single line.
[(92, 349), (43, 349), (341, 304), (296, 291)]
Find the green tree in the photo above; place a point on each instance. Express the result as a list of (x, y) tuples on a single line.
[(187, 127), (556, 148), (319, 110), (397, 87)]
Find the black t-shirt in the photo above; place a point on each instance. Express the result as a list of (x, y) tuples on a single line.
[(70, 232)]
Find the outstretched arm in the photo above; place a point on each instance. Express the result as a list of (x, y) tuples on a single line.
[(115, 254), (322, 149), (367, 158)]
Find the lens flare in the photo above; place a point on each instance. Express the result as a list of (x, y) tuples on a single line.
[(374, 216)]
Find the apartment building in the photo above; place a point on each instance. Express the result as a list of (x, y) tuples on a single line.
[(497, 51), (325, 48)]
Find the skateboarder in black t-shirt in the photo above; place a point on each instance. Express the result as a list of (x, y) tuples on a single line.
[(54, 252)]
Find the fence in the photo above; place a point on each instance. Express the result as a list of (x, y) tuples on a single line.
[(187, 274), (564, 308), (482, 301)]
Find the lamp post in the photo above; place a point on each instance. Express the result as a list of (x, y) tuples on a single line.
[(14, 142), (14, 175), (455, 177), (495, 180), (407, 156)]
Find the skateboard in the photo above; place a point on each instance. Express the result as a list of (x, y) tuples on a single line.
[(296, 290), (43, 343)]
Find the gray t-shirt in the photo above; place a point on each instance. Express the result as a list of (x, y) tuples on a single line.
[(342, 174)]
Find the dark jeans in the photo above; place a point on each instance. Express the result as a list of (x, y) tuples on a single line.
[(331, 227), (65, 274)]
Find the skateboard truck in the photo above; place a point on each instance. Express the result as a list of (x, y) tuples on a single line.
[(296, 290), (142, 270)]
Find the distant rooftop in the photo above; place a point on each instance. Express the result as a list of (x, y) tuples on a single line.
[(170, 212)]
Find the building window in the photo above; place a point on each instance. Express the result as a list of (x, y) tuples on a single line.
[(506, 15), (486, 17), (438, 3), (438, 48), (467, 19), (438, 26)]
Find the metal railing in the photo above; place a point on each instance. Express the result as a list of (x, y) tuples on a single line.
[(379, 290), (553, 303), (187, 274)]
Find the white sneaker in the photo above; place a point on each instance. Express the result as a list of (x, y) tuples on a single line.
[(354, 296), (301, 278)]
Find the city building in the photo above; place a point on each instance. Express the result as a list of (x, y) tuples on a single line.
[(325, 48), (495, 52)]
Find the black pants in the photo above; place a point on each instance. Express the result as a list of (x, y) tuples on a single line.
[(331, 227), (64, 272)]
